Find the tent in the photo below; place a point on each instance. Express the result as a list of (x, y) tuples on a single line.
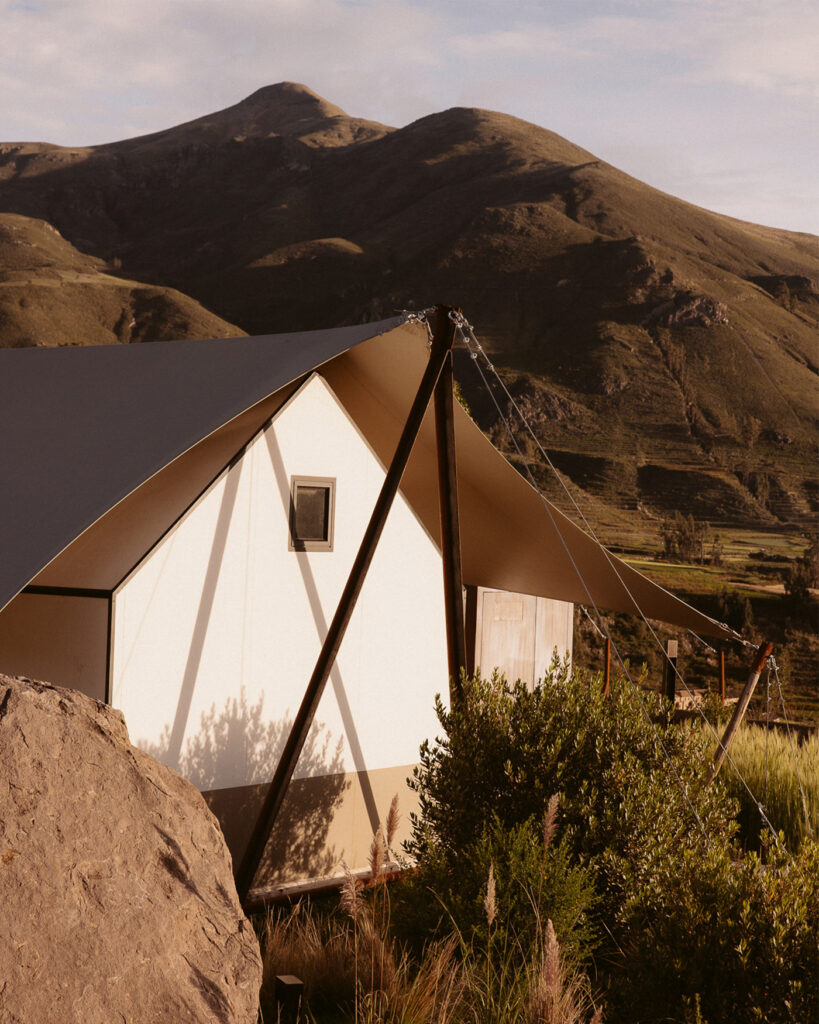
[(179, 525)]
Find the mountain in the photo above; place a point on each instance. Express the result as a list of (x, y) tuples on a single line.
[(666, 354), (52, 294)]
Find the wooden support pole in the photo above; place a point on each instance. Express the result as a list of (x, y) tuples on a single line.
[(722, 675), (448, 505), (762, 654), (670, 670), (335, 634), (607, 669)]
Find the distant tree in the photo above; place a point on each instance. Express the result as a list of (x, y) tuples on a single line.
[(683, 538), (749, 430), (735, 609), (759, 484), (803, 574), (715, 558)]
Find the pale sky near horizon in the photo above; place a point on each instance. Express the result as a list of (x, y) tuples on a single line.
[(714, 101)]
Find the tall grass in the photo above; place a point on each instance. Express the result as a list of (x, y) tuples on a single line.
[(450, 984), (355, 971), (774, 764)]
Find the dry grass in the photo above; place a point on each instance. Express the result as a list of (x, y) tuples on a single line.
[(308, 946), (449, 985), (556, 994), (354, 970)]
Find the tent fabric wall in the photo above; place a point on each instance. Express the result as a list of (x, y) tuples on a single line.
[(322, 818), (61, 638), (216, 631)]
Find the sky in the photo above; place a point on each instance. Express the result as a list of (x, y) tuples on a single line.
[(714, 101)]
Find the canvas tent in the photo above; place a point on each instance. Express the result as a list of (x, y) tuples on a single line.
[(149, 555)]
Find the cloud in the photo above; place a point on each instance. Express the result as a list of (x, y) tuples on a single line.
[(767, 52), (738, 42), (123, 67), (667, 81)]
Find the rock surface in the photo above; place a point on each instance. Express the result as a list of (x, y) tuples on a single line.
[(117, 900)]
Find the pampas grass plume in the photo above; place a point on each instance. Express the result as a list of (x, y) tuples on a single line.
[(550, 820), (551, 963), (489, 899), (350, 899), (377, 855), (393, 817)]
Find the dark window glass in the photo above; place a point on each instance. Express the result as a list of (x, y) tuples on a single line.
[(312, 507), (311, 513)]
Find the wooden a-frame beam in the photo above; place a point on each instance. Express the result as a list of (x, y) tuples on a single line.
[(335, 634)]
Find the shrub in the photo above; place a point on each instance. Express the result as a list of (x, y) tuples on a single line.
[(533, 880), (629, 786), (734, 939), (690, 928)]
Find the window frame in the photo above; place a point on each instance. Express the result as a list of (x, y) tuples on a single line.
[(327, 482)]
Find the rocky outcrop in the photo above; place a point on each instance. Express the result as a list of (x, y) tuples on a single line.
[(686, 309), (117, 900)]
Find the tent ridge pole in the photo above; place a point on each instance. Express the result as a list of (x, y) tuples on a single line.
[(335, 634), (448, 505)]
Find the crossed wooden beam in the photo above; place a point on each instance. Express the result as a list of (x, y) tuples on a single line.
[(437, 382)]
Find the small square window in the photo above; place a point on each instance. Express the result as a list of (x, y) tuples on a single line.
[(312, 510)]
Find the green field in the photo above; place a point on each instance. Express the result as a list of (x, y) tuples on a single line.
[(753, 566)]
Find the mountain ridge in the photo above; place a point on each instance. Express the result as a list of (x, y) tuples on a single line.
[(682, 341)]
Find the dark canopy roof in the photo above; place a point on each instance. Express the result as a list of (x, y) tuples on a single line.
[(85, 428)]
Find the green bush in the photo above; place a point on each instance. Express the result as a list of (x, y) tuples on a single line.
[(534, 881), (688, 927), (735, 936), (629, 786)]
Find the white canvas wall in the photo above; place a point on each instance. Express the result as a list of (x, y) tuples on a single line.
[(221, 611)]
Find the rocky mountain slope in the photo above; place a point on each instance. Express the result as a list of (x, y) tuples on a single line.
[(667, 355)]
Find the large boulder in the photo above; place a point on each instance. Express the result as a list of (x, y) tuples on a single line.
[(117, 900)]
